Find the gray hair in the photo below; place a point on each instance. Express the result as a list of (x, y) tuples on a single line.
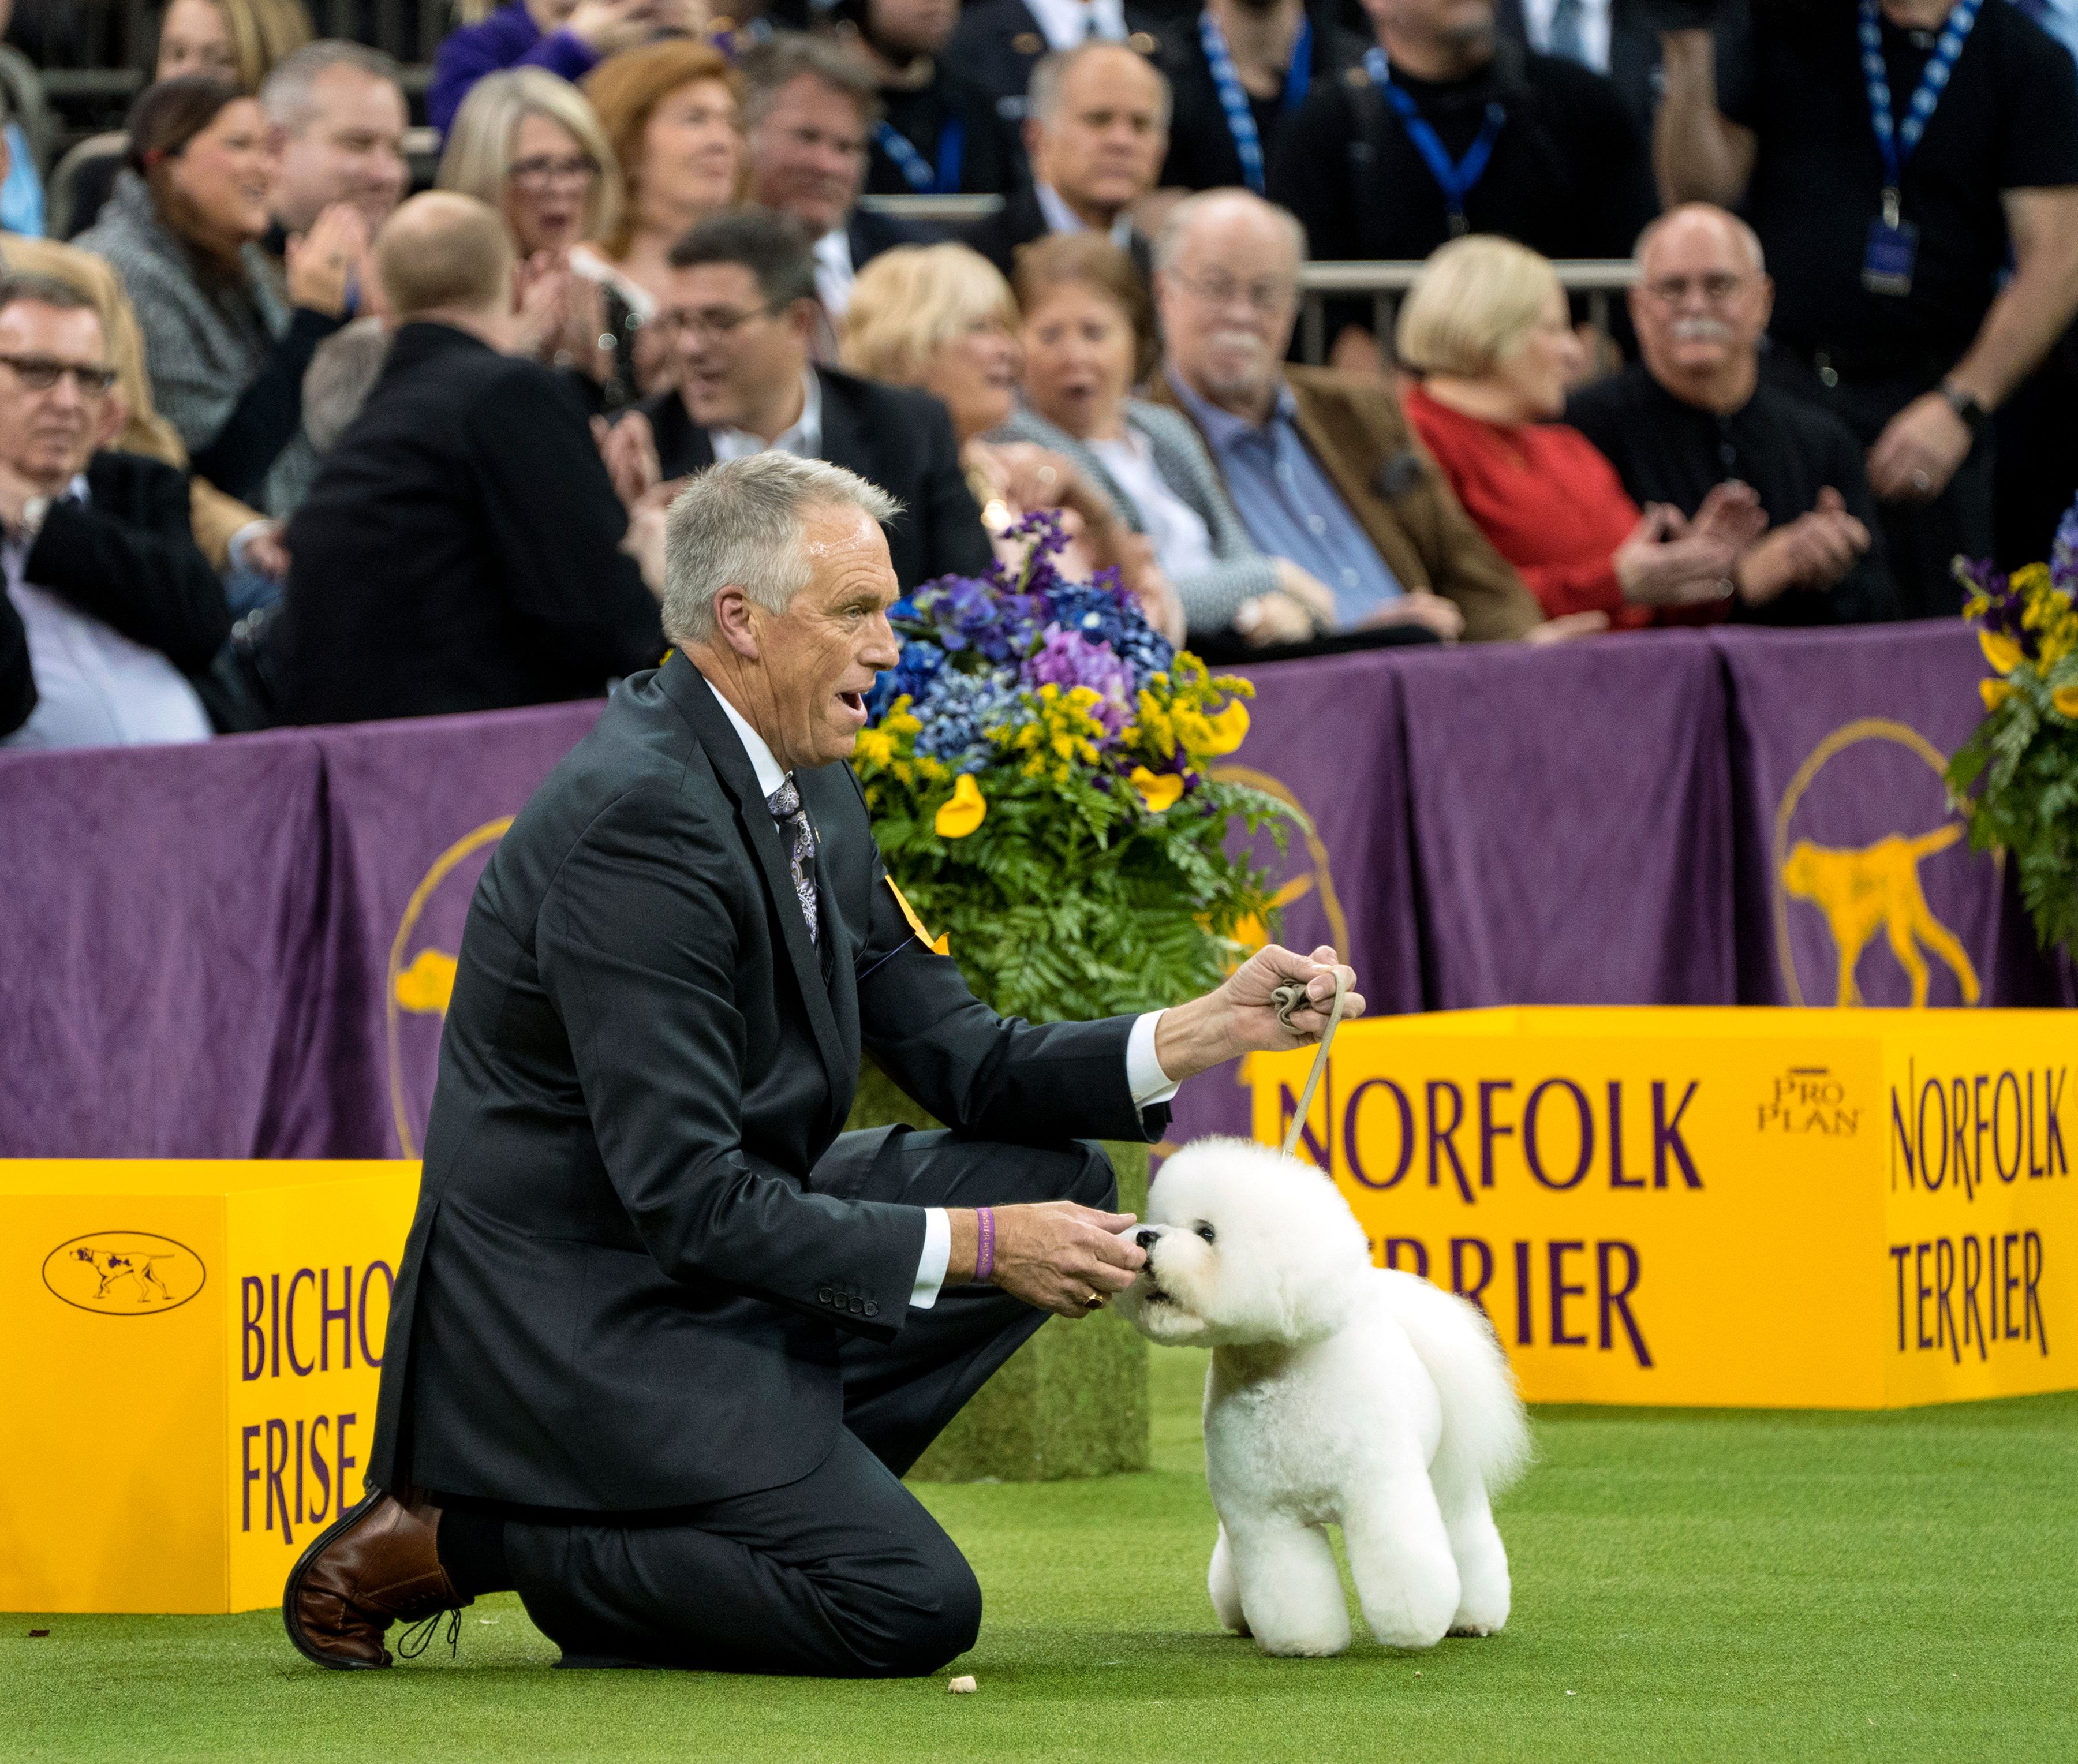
[(1756, 258), (1177, 222), (44, 291), (770, 67), (740, 524), (1049, 73), (285, 94)]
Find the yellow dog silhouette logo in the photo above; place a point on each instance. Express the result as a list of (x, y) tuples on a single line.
[(1877, 888), (1860, 891)]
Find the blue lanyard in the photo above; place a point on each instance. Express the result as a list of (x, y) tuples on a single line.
[(1233, 96), (1457, 181), (1896, 142), (918, 172)]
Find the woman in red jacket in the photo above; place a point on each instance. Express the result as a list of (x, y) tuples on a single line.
[(1486, 328)]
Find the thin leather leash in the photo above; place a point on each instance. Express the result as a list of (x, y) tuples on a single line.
[(1289, 998)]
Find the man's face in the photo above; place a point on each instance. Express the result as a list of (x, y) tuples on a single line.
[(807, 154), (734, 355), (1228, 304), (1103, 146), (914, 26), (47, 435), (1452, 22), (819, 657), (350, 148), (1700, 306)]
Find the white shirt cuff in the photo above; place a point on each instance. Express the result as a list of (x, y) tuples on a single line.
[(931, 1265), (1144, 1076)]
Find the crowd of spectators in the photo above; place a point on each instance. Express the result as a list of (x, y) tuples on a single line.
[(419, 449)]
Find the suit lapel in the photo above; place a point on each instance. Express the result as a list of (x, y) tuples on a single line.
[(844, 436), (1342, 464), (697, 703)]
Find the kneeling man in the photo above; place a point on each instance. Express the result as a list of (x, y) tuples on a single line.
[(663, 1342)]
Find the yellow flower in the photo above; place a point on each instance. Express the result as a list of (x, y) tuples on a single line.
[(1158, 790), (963, 810), (2000, 650), (2065, 699), (876, 747), (1995, 692)]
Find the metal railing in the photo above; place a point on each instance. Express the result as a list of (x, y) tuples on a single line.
[(1596, 277)]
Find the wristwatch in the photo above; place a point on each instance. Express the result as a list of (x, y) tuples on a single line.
[(1974, 415)]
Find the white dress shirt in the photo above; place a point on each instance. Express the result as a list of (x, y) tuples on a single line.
[(1182, 542), (1065, 22), (834, 273), (1537, 16), (1148, 1083), (94, 686), (804, 439), (1061, 219)]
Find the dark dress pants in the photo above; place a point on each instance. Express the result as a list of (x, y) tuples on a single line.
[(842, 1573)]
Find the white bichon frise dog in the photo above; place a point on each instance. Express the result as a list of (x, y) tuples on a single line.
[(1339, 1393)]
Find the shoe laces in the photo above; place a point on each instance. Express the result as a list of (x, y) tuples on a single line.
[(419, 1637)]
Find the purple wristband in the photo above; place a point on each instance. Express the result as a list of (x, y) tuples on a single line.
[(985, 1248)]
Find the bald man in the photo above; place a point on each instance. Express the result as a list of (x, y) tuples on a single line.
[(1096, 130), (1694, 412), (464, 547)]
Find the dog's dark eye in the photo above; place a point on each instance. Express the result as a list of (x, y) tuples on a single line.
[(1204, 1231)]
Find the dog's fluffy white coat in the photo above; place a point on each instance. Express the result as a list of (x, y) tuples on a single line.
[(1339, 1393)]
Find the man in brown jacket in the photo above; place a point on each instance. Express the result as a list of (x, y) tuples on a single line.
[(1320, 464)]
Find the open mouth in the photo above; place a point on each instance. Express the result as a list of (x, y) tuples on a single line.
[(854, 704)]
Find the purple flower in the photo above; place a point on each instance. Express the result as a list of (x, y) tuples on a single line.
[(1067, 658)]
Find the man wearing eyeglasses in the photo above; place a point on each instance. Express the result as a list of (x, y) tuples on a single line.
[(115, 602), (741, 317), (1695, 413)]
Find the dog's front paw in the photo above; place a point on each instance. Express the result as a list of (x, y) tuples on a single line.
[(1320, 1647), (1475, 1629)]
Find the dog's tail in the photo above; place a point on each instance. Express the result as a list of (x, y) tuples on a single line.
[(1485, 1432)]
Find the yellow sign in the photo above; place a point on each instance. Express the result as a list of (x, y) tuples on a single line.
[(1765, 1208), (192, 1387)]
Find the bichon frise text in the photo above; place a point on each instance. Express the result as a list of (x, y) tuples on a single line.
[(1340, 1393)]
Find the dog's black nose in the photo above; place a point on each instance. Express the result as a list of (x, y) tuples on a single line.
[(1147, 1239)]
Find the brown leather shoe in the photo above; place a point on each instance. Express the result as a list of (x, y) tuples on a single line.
[(375, 1564)]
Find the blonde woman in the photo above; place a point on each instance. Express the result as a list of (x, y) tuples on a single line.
[(529, 143), (1487, 332), (239, 40), (941, 318)]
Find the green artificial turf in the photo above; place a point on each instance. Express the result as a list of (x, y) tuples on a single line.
[(1688, 1585)]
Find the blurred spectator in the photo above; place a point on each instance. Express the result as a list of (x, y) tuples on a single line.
[(1888, 250), (1446, 130), (941, 318), (526, 144), (1097, 132), (568, 38), (939, 134), (24, 137), (225, 529), (336, 119), (464, 548), (1487, 328), (810, 108), (1088, 337), (1239, 71), (242, 41), (741, 313), (1598, 33), (672, 119), (1320, 464), (998, 43), (117, 604), (225, 354), (1694, 412)]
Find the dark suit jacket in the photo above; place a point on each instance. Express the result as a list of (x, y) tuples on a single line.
[(1021, 220), (1357, 431), (997, 43), (622, 1290), (459, 549), (127, 556), (891, 435), (1634, 56), (18, 684)]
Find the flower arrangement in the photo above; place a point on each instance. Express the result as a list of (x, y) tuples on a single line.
[(1037, 768), (2016, 776)]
